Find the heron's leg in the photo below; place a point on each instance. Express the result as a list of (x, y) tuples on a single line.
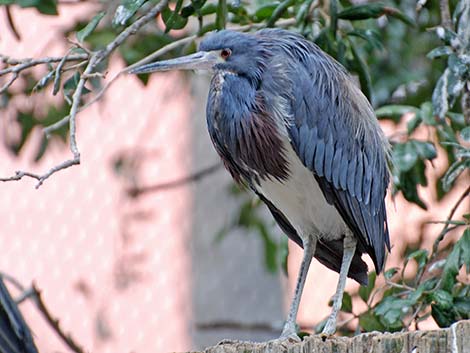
[(349, 248), (309, 249)]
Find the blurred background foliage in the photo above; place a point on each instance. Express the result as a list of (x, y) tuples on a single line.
[(411, 59)]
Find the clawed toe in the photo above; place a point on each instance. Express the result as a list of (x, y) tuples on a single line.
[(228, 341)]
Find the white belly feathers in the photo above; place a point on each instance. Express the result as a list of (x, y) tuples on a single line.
[(301, 201)]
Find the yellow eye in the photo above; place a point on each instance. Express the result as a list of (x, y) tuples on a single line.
[(225, 53)]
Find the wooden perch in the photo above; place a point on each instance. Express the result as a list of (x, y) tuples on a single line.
[(455, 339)]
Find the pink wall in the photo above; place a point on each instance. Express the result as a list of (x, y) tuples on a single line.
[(79, 237)]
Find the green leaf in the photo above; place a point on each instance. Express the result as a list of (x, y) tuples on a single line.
[(420, 256), (439, 96), (370, 322), (172, 19), (46, 7), (369, 35), (453, 173), (459, 256), (427, 114), (392, 12), (425, 150), (346, 304), (395, 112), (442, 316), (390, 312), (362, 12), (90, 27), (264, 12), (404, 156), (125, 11), (442, 298), (363, 71), (465, 134), (462, 306), (390, 272), (440, 51), (413, 123), (365, 291)]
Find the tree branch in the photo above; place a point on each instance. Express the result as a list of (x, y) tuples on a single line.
[(445, 14), (94, 61), (11, 23), (444, 230), (53, 322)]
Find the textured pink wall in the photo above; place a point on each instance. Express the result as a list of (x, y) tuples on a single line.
[(114, 270)]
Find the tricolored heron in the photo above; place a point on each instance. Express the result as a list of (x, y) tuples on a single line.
[(289, 122)]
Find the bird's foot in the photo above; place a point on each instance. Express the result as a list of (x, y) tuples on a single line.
[(288, 336), (229, 341), (282, 343)]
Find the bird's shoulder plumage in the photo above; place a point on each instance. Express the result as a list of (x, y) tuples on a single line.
[(333, 130)]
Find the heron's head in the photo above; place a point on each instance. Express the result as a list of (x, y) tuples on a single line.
[(238, 53)]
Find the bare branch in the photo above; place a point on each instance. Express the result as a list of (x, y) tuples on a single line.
[(137, 191), (466, 102), (41, 178), (445, 14), (22, 64), (11, 23), (9, 82), (445, 230), (54, 323), (94, 61)]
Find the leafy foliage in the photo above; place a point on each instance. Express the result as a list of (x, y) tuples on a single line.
[(414, 76)]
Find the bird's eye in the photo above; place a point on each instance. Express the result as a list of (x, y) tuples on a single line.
[(225, 53)]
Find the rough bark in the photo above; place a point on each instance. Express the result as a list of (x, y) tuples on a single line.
[(455, 339)]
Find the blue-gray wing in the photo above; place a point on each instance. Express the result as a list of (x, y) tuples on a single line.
[(334, 132)]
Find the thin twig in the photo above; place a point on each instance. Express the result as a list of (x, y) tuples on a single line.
[(19, 65), (175, 183), (9, 82), (400, 286), (445, 229), (54, 323), (11, 23)]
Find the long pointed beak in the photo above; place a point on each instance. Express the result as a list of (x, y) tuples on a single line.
[(201, 60)]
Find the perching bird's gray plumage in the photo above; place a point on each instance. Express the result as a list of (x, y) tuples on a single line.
[(288, 122)]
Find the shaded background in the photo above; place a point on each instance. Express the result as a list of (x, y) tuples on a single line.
[(144, 274)]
